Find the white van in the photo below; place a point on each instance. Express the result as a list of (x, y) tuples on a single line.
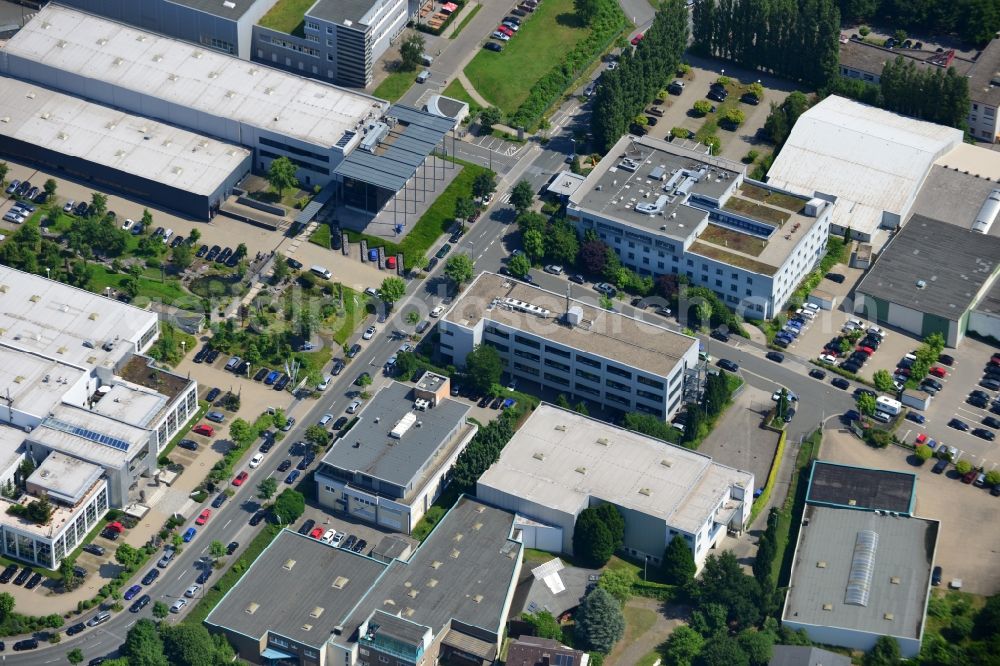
[(423, 76), (322, 272), (888, 405)]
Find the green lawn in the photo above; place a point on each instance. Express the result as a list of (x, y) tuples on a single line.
[(543, 40), (395, 85), (353, 313), (465, 21), (168, 292), (437, 220), (456, 90), (321, 236), (287, 16)]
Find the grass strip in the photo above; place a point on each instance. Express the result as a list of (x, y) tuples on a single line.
[(465, 21)]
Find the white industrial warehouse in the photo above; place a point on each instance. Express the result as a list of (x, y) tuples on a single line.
[(560, 463)]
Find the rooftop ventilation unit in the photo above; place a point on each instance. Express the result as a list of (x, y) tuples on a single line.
[(403, 426), (522, 306), (654, 208), (988, 213), (628, 164), (574, 315), (921, 284), (376, 132)]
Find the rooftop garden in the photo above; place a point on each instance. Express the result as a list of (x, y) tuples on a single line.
[(786, 201), (757, 211), (287, 16), (722, 254), (734, 240)]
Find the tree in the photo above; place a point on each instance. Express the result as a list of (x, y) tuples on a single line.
[(866, 403), (599, 621), (723, 651), (519, 266), (281, 268), (683, 646), (587, 10), (67, 570), (484, 183), (465, 208), (702, 107), (650, 425), (406, 365), (758, 646), (723, 582), (411, 52), (241, 432), (885, 653), (733, 117), (190, 644), (534, 244), (98, 205), (288, 506), (74, 656), (160, 610), (678, 562), (483, 368), (522, 196), (993, 477), (318, 435), (544, 625), (618, 583), (615, 522), (561, 243), (6, 605), (143, 645), (267, 488), (594, 256), (883, 381), (281, 175), (182, 256), (489, 117), (593, 542), (756, 89), (50, 187), (4, 170), (392, 289), (217, 549), (963, 467), (128, 556), (279, 418), (459, 268)]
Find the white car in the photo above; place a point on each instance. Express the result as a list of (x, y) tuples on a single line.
[(354, 407), (813, 307), (69, 206), (11, 216), (178, 605), (369, 333), (791, 396), (329, 536), (554, 269), (499, 35), (337, 538), (325, 419), (128, 224), (322, 386), (828, 358), (436, 312), (256, 461), (191, 591)]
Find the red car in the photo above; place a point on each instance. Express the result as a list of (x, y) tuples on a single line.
[(240, 478), (904, 371), (867, 350), (203, 518), (204, 429), (505, 30), (637, 39), (316, 533), (995, 359), (117, 527), (937, 371)]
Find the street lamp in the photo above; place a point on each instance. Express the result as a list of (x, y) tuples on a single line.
[(644, 563), (48, 272)]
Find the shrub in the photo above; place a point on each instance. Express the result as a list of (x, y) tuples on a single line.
[(963, 467), (702, 108)]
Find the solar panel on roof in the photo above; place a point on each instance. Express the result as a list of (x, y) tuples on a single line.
[(97, 437)]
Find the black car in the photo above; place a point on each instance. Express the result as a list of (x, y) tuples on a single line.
[(338, 367), (445, 249), (75, 629), (340, 423), (726, 364), (8, 573), (202, 251), (42, 198), (991, 422), (431, 263), (212, 355), (82, 208), (977, 401), (946, 359), (231, 548), (518, 12), (496, 402), (359, 546), (33, 581), (935, 384), (940, 466), (307, 526), (26, 644), (140, 603), (720, 335), (835, 277), (267, 444), (958, 424), (224, 255), (23, 576), (91, 548), (841, 383), (219, 500), (816, 373), (285, 465), (750, 98), (188, 444), (293, 264), (576, 279), (204, 576), (983, 433), (212, 395), (258, 517), (149, 578), (864, 391), (260, 374), (110, 534), (717, 95), (777, 357), (242, 368), (201, 354), (493, 46), (349, 542), (851, 366), (936, 576), (213, 253), (176, 241), (282, 383), (991, 384)]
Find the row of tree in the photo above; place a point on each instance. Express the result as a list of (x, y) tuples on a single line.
[(483, 451), (975, 21), (624, 92), (797, 39)]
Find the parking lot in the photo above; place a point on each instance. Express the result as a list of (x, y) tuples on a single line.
[(738, 438), (326, 520), (967, 548)]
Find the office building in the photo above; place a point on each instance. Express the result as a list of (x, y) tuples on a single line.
[(394, 461), (560, 463), (305, 602), (571, 346), (337, 41), (666, 209), (223, 25)]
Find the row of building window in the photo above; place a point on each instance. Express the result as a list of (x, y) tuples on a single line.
[(302, 165), (319, 157)]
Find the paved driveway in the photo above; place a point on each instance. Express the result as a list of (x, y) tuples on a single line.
[(738, 439)]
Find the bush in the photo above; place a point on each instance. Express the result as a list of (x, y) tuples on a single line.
[(924, 453), (702, 108), (963, 467)]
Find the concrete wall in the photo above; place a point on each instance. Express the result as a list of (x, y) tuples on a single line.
[(852, 638), (986, 324), (540, 537), (521, 505)]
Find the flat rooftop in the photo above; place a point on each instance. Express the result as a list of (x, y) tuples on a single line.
[(870, 58), (297, 582), (370, 447), (93, 437), (339, 11), (462, 571), (958, 184), (861, 488), (131, 404), (61, 322), (984, 78), (35, 383), (952, 262), (109, 137), (191, 76), (611, 335), (61, 513), (232, 10), (897, 585), (642, 170), (64, 478), (11, 446), (560, 459)]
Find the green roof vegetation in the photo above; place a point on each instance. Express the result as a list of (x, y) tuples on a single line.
[(722, 254), (287, 16), (786, 201), (733, 240), (757, 211)]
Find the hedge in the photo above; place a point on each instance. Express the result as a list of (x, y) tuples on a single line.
[(423, 27), (765, 495)]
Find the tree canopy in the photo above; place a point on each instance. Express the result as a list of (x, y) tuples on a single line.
[(599, 621), (281, 175), (483, 368), (678, 562), (411, 52), (392, 289), (289, 506), (459, 268)]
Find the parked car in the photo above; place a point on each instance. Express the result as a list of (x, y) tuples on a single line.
[(916, 417), (203, 517), (178, 606), (841, 383), (983, 433), (493, 46), (777, 357), (204, 429), (290, 479), (240, 478), (91, 548), (151, 577), (140, 603), (189, 534), (816, 373), (131, 592), (958, 424), (726, 364)]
